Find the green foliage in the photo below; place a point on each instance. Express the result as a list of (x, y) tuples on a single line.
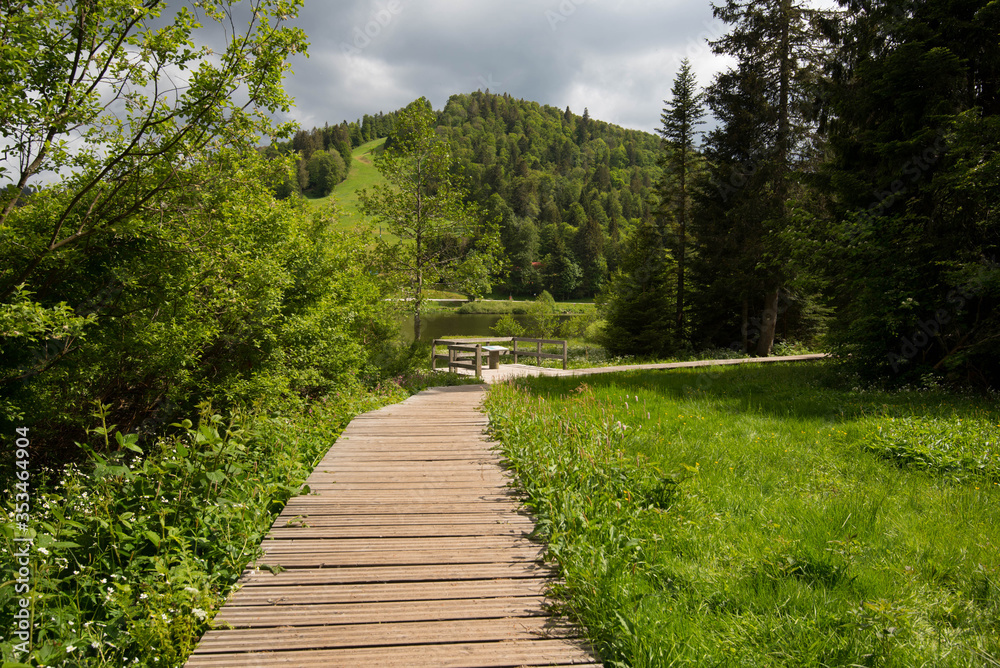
[(914, 175), (155, 269), (172, 319), (138, 547), (69, 58), (507, 326), (504, 306), (561, 274), (543, 321), (959, 447), (326, 170), (528, 167), (474, 276), (637, 305), (736, 516), (532, 165), (680, 120), (757, 157)]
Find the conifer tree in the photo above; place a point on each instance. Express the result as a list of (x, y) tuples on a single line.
[(680, 119), (764, 103)]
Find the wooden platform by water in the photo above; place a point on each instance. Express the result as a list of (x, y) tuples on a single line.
[(411, 551)]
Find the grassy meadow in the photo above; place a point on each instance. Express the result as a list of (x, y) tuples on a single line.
[(362, 175), (764, 515)]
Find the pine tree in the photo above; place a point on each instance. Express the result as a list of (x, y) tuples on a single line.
[(636, 302), (583, 128), (680, 118), (777, 47)]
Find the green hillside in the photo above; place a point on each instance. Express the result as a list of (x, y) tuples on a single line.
[(565, 188), (361, 175)]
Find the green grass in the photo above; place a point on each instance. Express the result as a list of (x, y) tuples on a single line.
[(362, 175), (755, 516), (504, 306)]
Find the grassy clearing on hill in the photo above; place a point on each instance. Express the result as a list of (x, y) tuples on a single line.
[(362, 175), (764, 515)]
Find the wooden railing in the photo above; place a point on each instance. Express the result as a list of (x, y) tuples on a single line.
[(468, 353), (537, 353)]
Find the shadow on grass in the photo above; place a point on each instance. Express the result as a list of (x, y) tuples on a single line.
[(816, 390)]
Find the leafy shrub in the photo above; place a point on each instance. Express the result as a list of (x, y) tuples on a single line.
[(543, 320), (137, 549), (507, 326), (953, 446)]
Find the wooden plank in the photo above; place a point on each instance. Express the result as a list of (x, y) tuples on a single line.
[(373, 508), (384, 466), (387, 574), (394, 591), (526, 653), (368, 635), (402, 531), (371, 473), (337, 518), (329, 560), (384, 612), (307, 544)]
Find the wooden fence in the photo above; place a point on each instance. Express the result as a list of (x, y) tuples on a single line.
[(468, 353)]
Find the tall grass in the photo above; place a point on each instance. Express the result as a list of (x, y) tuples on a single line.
[(755, 516)]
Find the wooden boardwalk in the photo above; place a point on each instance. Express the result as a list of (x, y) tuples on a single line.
[(508, 371), (411, 551)]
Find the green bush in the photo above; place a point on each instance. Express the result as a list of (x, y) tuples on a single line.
[(136, 548), (507, 326), (163, 318)]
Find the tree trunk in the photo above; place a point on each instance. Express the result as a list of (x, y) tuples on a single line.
[(768, 324), (418, 305), (746, 325), (681, 241), (680, 286)]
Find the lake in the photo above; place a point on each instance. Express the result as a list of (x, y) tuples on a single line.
[(440, 325)]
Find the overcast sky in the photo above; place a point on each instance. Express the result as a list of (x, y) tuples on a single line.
[(616, 57)]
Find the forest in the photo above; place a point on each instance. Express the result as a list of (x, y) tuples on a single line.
[(844, 197), (182, 334)]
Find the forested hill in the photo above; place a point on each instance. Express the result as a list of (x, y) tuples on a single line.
[(564, 187)]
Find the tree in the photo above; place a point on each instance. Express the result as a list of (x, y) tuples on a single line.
[(61, 62), (583, 128), (326, 170), (680, 118), (731, 227), (562, 275), (777, 47), (636, 302), (112, 285), (424, 207), (589, 251)]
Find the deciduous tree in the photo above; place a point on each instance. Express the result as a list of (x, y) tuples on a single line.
[(423, 205)]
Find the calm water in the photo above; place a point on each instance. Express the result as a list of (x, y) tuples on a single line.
[(440, 325)]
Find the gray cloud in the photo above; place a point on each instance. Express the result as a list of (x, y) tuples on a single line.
[(616, 57)]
